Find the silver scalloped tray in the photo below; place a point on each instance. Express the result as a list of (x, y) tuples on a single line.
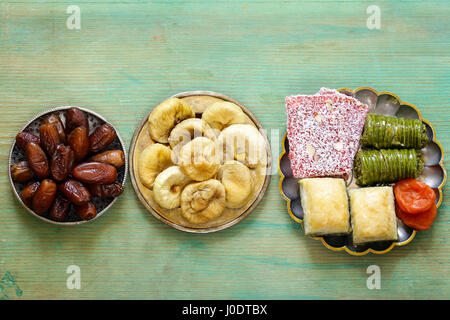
[(433, 174)]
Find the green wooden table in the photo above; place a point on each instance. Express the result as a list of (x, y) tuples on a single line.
[(129, 55)]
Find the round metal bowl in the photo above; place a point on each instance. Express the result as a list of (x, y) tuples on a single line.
[(433, 174), (199, 100), (95, 120)]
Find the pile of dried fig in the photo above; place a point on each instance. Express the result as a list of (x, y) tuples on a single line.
[(65, 166), (204, 163)]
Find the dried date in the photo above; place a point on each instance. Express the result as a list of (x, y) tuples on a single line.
[(75, 191), (95, 173), (28, 193), (44, 196), (62, 162), (23, 138), (87, 211), (37, 160), (56, 121), (79, 142), (101, 137), (115, 158), (49, 136), (106, 190), (21, 172), (60, 209), (76, 118)]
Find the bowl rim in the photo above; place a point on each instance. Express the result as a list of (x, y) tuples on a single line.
[(41, 114), (394, 244), (190, 229)]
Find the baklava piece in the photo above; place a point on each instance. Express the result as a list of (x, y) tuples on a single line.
[(373, 215), (325, 206)]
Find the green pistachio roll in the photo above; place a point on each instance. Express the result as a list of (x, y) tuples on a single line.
[(382, 132), (385, 166)]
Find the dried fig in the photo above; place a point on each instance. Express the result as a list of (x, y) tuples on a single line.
[(203, 201), (166, 116)]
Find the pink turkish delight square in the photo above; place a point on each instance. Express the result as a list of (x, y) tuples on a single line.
[(323, 131)]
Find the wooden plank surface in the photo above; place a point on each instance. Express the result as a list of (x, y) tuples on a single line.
[(130, 55)]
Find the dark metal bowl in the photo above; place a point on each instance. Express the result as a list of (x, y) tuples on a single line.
[(95, 120)]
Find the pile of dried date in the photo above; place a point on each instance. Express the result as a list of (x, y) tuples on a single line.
[(65, 167)]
